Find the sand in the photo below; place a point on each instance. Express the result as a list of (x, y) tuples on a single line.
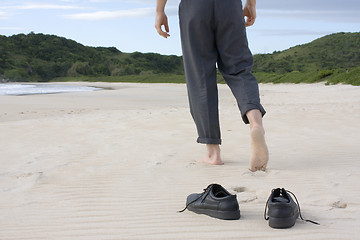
[(118, 164)]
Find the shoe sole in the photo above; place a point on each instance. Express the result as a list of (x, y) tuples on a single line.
[(282, 222), (224, 215)]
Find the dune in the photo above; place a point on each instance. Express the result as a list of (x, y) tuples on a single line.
[(119, 164)]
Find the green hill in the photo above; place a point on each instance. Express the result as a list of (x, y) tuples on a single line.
[(341, 50), (334, 58), (38, 57)]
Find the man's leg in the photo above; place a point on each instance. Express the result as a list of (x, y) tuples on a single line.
[(259, 151), (212, 156), (235, 62), (200, 55)]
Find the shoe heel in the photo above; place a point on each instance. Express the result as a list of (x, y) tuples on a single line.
[(282, 222), (233, 215)]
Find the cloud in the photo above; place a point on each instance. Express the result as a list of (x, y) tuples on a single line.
[(9, 11), (104, 15), (152, 2), (319, 10), (29, 6), (310, 5), (49, 6), (3, 16), (313, 15), (130, 13), (97, 1), (12, 28)]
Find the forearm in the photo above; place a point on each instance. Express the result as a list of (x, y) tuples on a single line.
[(251, 2), (160, 5)]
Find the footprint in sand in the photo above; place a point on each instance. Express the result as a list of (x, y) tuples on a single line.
[(339, 204), (248, 199), (256, 174), (238, 189), (40, 176), (23, 175), (245, 196), (193, 163)]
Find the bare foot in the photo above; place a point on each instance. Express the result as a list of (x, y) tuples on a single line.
[(213, 155), (259, 151)]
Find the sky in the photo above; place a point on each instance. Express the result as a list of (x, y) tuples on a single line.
[(128, 25)]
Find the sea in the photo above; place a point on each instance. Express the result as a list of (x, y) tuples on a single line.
[(19, 89)]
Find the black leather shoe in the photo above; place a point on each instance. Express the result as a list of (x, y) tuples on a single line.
[(215, 202), (282, 210)]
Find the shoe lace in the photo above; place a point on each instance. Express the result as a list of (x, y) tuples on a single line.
[(301, 217), (201, 195), (266, 205)]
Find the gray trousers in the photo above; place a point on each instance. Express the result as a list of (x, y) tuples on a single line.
[(213, 31)]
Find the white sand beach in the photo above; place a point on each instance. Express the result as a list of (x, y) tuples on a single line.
[(119, 164)]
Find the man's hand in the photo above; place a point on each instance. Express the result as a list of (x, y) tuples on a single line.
[(161, 20), (250, 12)]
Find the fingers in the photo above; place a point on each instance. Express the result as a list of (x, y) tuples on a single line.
[(165, 33), (249, 21), (160, 21), (166, 27), (161, 32)]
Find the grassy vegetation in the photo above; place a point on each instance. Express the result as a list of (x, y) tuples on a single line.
[(334, 59), (335, 51), (151, 78), (351, 76), (334, 76), (41, 58)]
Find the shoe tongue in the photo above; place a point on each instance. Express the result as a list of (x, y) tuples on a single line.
[(277, 192), (280, 199)]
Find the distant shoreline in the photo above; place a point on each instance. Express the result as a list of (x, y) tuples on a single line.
[(21, 89)]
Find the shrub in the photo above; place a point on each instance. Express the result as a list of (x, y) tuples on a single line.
[(324, 73)]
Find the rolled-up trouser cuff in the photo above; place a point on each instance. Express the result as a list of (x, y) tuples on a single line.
[(248, 107), (209, 140)]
